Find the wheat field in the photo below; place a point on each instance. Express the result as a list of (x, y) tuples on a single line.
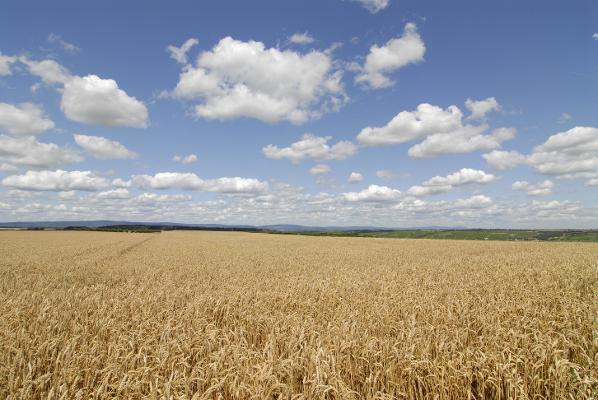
[(207, 315)]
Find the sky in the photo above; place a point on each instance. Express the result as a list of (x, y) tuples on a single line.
[(392, 113)]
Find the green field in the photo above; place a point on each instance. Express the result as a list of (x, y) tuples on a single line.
[(475, 234)]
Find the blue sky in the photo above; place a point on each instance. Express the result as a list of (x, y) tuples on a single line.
[(373, 112)]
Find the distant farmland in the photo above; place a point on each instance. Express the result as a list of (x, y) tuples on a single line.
[(233, 315)]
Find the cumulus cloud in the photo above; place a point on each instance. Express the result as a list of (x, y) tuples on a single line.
[(420, 190), (471, 208), (373, 6), (480, 108), (311, 147), (146, 198), (190, 181), (235, 185), (411, 125), (375, 194), (23, 119), (464, 140), (473, 202), (503, 160), (114, 194), (91, 99), (567, 153), (188, 159), (180, 53), (64, 45), (104, 149), (5, 63), (540, 189), (247, 79), (58, 181), (571, 154), (443, 132), (48, 70), (552, 210), (395, 54), (443, 184), (462, 177), (121, 183), (5, 167), (355, 177), (301, 38), (595, 36), (28, 152), (319, 169)]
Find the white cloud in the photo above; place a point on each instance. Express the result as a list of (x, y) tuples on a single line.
[(121, 183), (168, 180), (395, 54), (246, 79), (503, 160), (373, 6), (319, 169), (114, 194), (355, 177), (411, 125), (24, 119), (188, 159), (91, 99), (464, 140), (48, 70), (595, 36), (301, 38), (103, 148), (443, 132), (162, 198), (58, 180), (474, 202), (540, 189), (190, 181), (235, 185), (569, 155), (443, 184), (180, 53), (5, 63), (28, 152), (5, 167), (374, 193), (420, 191), (480, 108), (66, 46), (385, 174), (67, 196), (313, 147), (462, 177), (474, 207)]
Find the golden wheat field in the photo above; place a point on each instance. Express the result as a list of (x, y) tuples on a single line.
[(206, 315)]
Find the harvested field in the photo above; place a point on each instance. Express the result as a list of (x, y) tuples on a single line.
[(208, 315)]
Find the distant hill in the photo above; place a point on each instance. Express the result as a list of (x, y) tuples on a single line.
[(275, 227), (61, 224)]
